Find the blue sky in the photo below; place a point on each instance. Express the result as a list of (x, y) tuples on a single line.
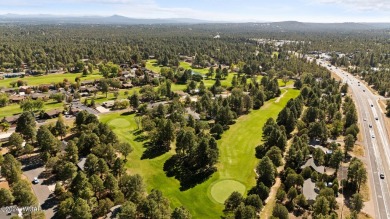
[(218, 10)]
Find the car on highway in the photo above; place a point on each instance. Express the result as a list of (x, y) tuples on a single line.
[(373, 136), (376, 118), (36, 180), (382, 176), (372, 105), (364, 90), (364, 119), (370, 125)]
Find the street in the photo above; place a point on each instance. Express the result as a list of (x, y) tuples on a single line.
[(375, 139)]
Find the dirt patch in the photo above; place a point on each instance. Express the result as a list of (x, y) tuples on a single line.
[(4, 184), (382, 104), (271, 200), (3, 150), (365, 192), (358, 151), (344, 212), (335, 76)]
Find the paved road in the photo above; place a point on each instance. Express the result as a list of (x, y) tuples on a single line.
[(375, 139), (32, 168)]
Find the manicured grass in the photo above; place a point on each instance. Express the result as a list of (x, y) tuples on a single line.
[(236, 162), (185, 65), (221, 190), (101, 97), (48, 79), (151, 64), (282, 84), (119, 123), (15, 108)]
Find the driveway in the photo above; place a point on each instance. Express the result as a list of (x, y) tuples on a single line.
[(32, 167)]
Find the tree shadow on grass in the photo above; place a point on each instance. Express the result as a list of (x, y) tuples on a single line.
[(188, 177), (128, 113), (139, 136), (153, 151)]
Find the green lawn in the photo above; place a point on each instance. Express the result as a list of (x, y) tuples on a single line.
[(15, 108), (237, 159), (101, 97), (48, 79), (151, 64)]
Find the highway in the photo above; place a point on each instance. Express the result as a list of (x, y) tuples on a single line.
[(376, 140)]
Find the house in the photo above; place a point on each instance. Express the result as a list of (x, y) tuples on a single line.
[(82, 89), (224, 95), (320, 169), (64, 144), (153, 105), (194, 114), (8, 90), (74, 111), (42, 96), (108, 104), (310, 163), (81, 163), (123, 78), (4, 137), (309, 191), (180, 93), (124, 65), (92, 89), (24, 88), (16, 98), (84, 94), (46, 86), (324, 149), (124, 73), (52, 113), (11, 119), (127, 85), (87, 82)]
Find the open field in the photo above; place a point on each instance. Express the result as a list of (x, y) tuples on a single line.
[(236, 163), (48, 79)]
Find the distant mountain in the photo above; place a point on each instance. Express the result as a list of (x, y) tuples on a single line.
[(115, 19), (294, 25)]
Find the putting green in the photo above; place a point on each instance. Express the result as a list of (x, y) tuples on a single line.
[(222, 189), (119, 123)]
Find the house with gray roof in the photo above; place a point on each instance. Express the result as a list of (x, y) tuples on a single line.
[(310, 163), (81, 163)]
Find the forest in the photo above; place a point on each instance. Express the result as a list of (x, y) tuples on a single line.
[(232, 77)]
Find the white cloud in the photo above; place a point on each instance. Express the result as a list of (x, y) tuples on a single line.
[(370, 5)]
